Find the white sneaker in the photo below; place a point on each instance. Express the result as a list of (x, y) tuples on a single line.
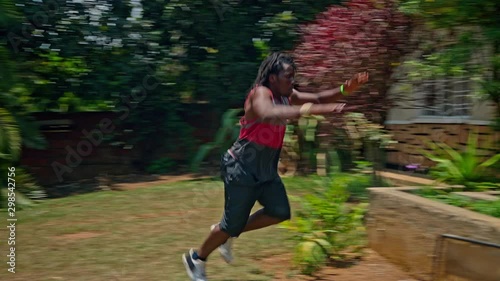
[(194, 268), (226, 249)]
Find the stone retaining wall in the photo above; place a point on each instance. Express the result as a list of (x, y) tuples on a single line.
[(405, 229)]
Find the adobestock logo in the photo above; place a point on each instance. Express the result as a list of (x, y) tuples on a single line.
[(74, 157), (38, 20)]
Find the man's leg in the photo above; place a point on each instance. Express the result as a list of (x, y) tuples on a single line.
[(216, 238), (276, 207), (260, 220), (239, 200)]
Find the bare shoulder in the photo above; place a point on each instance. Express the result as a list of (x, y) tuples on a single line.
[(260, 99), (262, 91), (259, 94)]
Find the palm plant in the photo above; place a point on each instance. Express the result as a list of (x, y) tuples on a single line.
[(10, 137), (226, 134), (17, 127), (460, 167), (10, 148)]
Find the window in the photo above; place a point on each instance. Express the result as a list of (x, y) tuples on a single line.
[(449, 97)]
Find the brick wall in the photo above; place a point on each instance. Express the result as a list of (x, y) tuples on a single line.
[(412, 139), (69, 152), (67, 142)]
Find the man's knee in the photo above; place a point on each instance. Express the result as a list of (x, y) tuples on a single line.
[(233, 229), (280, 213)]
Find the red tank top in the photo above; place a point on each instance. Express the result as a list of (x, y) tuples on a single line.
[(266, 134)]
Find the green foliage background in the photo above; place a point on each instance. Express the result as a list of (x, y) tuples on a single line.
[(143, 59)]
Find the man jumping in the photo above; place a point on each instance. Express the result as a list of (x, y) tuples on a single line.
[(249, 168)]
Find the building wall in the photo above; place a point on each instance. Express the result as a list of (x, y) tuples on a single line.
[(414, 138), (406, 113), (413, 101)]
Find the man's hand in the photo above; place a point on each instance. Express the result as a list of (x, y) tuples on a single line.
[(355, 82)]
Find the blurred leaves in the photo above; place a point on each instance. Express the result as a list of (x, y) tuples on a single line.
[(10, 137), (465, 40), (363, 35), (148, 59), (224, 137), (461, 166), (327, 225)]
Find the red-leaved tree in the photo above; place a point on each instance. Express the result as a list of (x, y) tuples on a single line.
[(362, 35)]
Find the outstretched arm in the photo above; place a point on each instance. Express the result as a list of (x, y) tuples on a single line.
[(333, 95), (263, 108)]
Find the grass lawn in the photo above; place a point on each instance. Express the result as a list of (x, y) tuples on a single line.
[(136, 234)]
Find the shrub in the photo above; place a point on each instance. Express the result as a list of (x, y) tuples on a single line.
[(161, 166), (461, 167), (326, 224)]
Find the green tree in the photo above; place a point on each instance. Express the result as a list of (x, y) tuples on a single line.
[(146, 59), (474, 25)]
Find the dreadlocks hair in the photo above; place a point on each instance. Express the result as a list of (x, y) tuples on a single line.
[(273, 64)]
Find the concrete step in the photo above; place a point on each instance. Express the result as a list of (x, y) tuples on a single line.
[(406, 180), (478, 196)]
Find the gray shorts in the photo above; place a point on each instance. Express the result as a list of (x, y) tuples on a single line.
[(242, 189)]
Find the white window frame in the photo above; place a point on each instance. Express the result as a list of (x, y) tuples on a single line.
[(453, 103)]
